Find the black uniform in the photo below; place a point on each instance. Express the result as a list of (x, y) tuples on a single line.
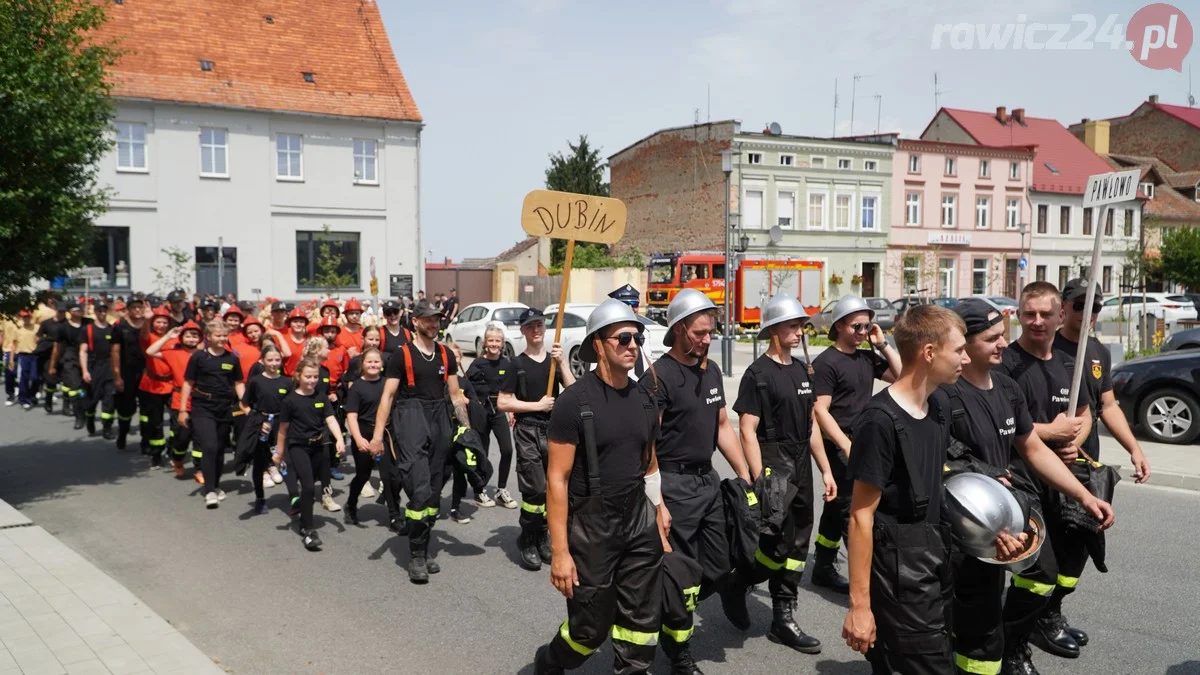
[(363, 400), (306, 416), (526, 380), (99, 363), (48, 334), (389, 343), (213, 401), (70, 371), (488, 376), (612, 533), (1097, 378), (132, 365), (849, 379), (911, 583), (264, 396)]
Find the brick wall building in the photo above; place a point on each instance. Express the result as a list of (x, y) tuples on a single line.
[(1169, 132)]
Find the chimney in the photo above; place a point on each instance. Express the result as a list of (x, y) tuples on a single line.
[(1154, 98), (1019, 115), (1002, 114), (1095, 136)]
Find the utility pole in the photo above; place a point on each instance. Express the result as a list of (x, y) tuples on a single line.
[(878, 111), (835, 107), (853, 90)]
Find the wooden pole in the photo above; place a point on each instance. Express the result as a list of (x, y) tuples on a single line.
[(1081, 349), (562, 306)]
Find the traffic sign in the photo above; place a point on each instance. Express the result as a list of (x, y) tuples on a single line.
[(1023, 262), (1110, 188), (88, 273), (374, 287)]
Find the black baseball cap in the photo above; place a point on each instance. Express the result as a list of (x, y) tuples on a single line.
[(975, 313), (1077, 288), (279, 306), (208, 304), (389, 306), (531, 315), (73, 306), (427, 310), (101, 302), (246, 306)]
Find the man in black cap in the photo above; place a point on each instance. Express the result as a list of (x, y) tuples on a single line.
[(524, 395), (128, 364), (393, 335), (64, 363), (208, 311), (47, 335), (279, 313), (95, 358), (178, 309)]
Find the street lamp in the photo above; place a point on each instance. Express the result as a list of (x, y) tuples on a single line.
[(727, 325)]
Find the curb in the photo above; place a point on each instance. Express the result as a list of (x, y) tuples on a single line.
[(1182, 481)]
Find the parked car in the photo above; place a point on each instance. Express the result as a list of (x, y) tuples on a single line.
[(822, 320), (885, 313), (948, 303), (903, 303), (1007, 306), (1161, 395), (1194, 297), (467, 328), (575, 318), (1170, 307), (1184, 339)]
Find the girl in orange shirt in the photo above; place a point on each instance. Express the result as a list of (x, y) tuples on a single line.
[(295, 340), (154, 390), (175, 348)]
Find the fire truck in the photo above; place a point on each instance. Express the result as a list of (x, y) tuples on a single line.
[(756, 281)]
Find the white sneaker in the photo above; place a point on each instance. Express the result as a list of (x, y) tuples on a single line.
[(220, 495), (328, 503), (367, 491), (504, 499), (482, 500), (268, 481), (9, 402), (211, 500), (275, 475)]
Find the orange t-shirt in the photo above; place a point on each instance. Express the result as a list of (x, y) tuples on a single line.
[(176, 357), (347, 338), (336, 363), (157, 377), (236, 339), (289, 366), (247, 355)]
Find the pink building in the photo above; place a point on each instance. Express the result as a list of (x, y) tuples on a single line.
[(956, 219)]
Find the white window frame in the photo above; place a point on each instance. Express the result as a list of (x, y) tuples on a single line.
[(754, 158), (762, 206), (210, 148), (951, 167), (790, 159), (1012, 213), (849, 211), (824, 224), (779, 215), (1147, 189), (131, 142), (976, 269), (862, 211), (373, 157), (911, 218), (949, 275), (816, 161), (849, 164), (983, 212), (870, 165), (279, 136), (1014, 171), (914, 164), (985, 168), (953, 210)]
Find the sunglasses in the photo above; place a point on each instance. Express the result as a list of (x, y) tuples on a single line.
[(625, 338), (391, 312), (860, 327), (1079, 307)]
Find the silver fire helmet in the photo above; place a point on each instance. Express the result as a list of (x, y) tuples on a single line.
[(606, 314), (781, 308), (978, 509), (686, 303), (1036, 529), (849, 304)]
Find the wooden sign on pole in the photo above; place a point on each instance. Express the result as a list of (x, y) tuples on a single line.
[(574, 217)]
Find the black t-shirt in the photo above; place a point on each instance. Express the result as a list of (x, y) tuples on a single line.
[(133, 359), (791, 396), (70, 337), (212, 377), (1097, 379), (1046, 385), (449, 304), (429, 373), (876, 457), (266, 394), (691, 401), (992, 426), (624, 428), (537, 374), (305, 415), (48, 334), (100, 345), (487, 375), (390, 343), (849, 379), (363, 399)]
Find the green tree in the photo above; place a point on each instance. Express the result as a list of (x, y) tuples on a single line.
[(176, 274), (1181, 256), (329, 262), (580, 171), (55, 118)]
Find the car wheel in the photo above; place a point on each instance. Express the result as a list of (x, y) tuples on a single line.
[(478, 347), (578, 367), (508, 350), (1170, 416)]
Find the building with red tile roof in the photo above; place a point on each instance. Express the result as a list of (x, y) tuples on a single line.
[(1170, 133), (254, 136)]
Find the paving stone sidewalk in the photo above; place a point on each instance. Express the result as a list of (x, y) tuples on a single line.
[(61, 614)]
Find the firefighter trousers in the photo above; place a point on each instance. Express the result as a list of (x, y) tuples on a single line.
[(618, 554), (529, 437), (101, 392), (70, 375), (1029, 592), (127, 400), (180, 439), (153, 406), (978, 614), (1071, 554), (420, 436), (786, 502), (835, 517), (698, 535)]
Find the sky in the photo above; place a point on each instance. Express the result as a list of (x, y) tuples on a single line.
[(502, 84)]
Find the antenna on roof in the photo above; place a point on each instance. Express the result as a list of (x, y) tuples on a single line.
[(936, 93), (853, 89), (835, 106), (878, 111)]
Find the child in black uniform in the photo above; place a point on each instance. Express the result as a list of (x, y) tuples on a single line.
[(263, 402), (362, 402)]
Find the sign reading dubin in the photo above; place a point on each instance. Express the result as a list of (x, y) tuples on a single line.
[(566, 215)]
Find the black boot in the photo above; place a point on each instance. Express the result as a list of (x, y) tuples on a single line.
[(90, 423), (680, 655), (1051, 636), (543, 548), (825, 572), (106, 432), (351, 513), (418, 572), (78, 423), (784, 630), (530, 559), (312, 542), (1018, 660), (48, 403), (1081, 638), (542, 664), (733, 600), (122, 434), (399, 525)]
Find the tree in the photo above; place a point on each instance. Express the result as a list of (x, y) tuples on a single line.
[(176, 274), (54, 128), (582, 172), (1181, 256), (329, 262)]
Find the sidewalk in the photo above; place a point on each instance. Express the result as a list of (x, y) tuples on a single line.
[(61, 614)]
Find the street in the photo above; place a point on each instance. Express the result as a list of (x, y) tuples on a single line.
[(242, 588)]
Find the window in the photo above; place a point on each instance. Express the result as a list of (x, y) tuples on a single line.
[(948, 204), (694, 272), (1043, 216), (817, 162), (569, 320), (844, 164), (1196, 191), (289, 153), (1108, 224), (985, 169), (983, 212), (110, 250), (787, 160), (753, 213), (912, 208), (914, 164), (214, 152), (785, 208), (951, 166), (131, 146), (816, 210), (365, 162), (1041, 273), (1106, 278), (979, 276), (1128, 222), (1012, 211), (842, 212), (946, 278), (1064, 220), (311, 246), (870, 165), (867, 219), (754, 158), (911, 266), (1014, 171), (1148, 190), (1064, 273)]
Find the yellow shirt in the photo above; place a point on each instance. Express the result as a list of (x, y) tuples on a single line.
[(20, 339)]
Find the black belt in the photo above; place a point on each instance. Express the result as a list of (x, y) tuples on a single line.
[(160, 378), (693, 469)]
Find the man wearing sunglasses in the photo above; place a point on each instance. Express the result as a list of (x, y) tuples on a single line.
[(844, 382), (523, 393)]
